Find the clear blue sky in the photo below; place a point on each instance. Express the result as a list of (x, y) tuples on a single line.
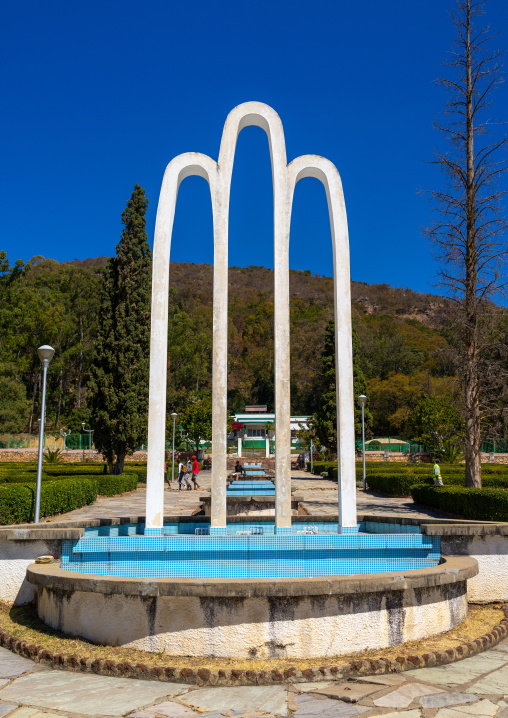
[(97, 96)]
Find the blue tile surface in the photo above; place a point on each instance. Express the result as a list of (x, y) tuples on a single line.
[(250, 549)]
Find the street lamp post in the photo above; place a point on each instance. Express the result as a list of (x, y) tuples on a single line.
[(362, 399), (311, 457), (173, 416), (45, 354), (65, 434), (89, 432)]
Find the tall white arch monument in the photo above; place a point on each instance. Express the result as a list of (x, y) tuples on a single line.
[(284, 176)]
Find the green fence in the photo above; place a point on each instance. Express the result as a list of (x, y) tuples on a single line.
[(408, 447), (78, 441), (495, 446), (8, 442)]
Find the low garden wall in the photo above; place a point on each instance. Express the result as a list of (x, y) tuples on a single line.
[(70, 456)]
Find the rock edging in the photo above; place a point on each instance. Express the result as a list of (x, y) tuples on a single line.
[(235, 677)]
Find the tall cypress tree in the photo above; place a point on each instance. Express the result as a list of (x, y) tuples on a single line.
[(118, 385), (325, 419)]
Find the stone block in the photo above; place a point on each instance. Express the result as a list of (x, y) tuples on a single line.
[(495, 682), (442, 700), (348, 692), (310, 706), (482, 709), (403, 697), (78, 693), (270, 699), (170, 709), (12, 665)]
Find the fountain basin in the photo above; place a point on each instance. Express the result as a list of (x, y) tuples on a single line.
[(249, 550), (256, 618)]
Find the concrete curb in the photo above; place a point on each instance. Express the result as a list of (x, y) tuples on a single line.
[(235, 677), (453, 569)]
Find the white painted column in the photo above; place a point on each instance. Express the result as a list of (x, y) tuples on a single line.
[(281, 225), (324, 170), (218, 511), (343, 356), (260, 115), (282, 383), (267, 447), (190, 163), (158, 353), (239, 446)]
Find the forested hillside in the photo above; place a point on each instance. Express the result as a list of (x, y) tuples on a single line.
[(406, 342)]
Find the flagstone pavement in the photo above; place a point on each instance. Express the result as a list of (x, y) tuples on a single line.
[(476, 686), (319, 497)]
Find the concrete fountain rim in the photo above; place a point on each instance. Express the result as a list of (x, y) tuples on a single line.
[(452, 570)]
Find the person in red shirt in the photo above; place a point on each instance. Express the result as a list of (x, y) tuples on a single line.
[(195, 472)]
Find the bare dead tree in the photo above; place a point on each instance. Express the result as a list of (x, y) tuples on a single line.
[(468, 228)]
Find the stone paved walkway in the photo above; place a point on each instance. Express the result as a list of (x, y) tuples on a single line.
[(476, 686), (319, 498)]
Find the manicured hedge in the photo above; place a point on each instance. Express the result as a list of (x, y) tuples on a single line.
[(395, 485), (400, 484), (17, 500), (16, 504), (487, 504), (320, 466), (489, 481), (113, 485), (18, 477)]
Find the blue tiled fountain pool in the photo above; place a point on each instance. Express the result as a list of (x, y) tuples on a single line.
[(250, 550)]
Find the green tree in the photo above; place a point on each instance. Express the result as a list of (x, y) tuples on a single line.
[(436, 423), (118, 384), (189, 359), (14, 407), (196, 422), (325, 418)]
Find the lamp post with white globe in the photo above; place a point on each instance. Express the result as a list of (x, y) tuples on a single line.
[(362, 399), (45, 354)]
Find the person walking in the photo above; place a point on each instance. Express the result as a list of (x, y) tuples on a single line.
[(195, 472), (166, 475), (181, 473), (438, 481), (188, 474)]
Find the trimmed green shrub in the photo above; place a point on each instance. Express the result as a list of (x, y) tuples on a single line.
[(17, 500), (320, 466), (16, 504), (500, 482), (396, 485), (487, 504), (18, 477), (113, 485), (400, 484)]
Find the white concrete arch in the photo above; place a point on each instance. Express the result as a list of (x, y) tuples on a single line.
[(265, 117), (325, 171), (185, 165), (284, 179)]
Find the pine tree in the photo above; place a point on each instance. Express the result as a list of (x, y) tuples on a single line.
[(118, 385), (325, 419)]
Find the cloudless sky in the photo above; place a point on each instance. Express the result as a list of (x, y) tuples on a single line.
[(97, 96)]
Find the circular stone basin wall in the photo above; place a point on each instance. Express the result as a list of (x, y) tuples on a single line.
[(263, 618)]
